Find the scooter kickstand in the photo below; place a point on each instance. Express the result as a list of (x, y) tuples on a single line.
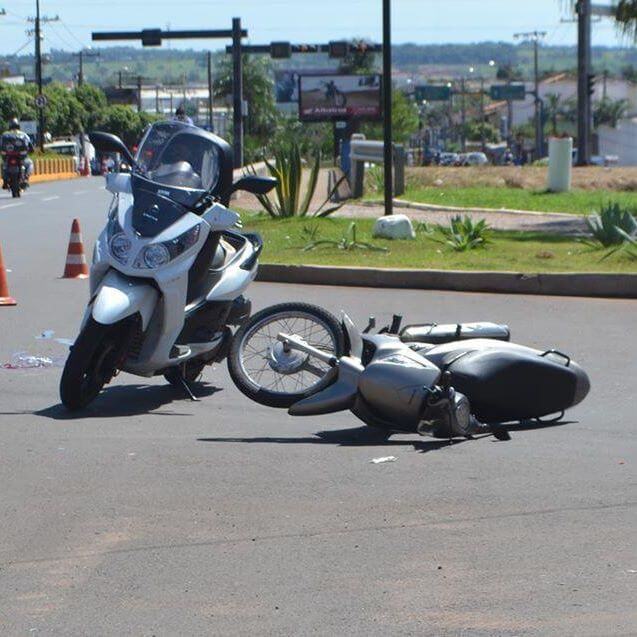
[(186, 386)]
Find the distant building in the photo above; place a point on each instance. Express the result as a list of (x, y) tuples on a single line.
[(17, 80)]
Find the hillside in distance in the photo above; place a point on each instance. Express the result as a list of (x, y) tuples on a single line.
[(178, 66)]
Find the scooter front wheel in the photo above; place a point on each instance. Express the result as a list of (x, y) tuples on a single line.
[(264, 371), (92, 362)]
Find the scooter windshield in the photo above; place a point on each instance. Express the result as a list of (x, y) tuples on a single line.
[(174, 154)]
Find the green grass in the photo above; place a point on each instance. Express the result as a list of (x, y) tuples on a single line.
[(508, 251), (576, 201)]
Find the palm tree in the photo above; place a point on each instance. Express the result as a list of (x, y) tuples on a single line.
[(609, 112), (553, 109), (625, 15)]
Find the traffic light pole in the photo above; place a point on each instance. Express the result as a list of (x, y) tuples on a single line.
[(211, 122), (237, 93), (153, 37), (387, 110), (583, 89)]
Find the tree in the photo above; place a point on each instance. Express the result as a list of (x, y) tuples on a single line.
[(258, 91), (64, 112), (405, 119), (15, 102), (626, 17), (93, 101), (125, 122), (608, 112), (553, 109)]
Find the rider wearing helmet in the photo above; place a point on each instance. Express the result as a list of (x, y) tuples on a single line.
[(15, 140), (180, 115)]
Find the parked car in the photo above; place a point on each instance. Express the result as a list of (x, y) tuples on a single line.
[(476, 159), (449, 159)]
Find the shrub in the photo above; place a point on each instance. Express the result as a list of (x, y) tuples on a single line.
[(612, 226), (464, 234), (289, 200)]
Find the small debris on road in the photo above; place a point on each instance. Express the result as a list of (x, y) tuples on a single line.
[(383, 459), (22, 360)]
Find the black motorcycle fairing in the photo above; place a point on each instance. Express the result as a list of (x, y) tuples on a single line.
[(156, 207)]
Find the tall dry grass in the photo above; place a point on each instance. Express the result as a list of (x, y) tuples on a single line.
[(526, 177)]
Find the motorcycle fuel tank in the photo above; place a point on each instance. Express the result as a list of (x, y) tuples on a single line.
[(396, 388)]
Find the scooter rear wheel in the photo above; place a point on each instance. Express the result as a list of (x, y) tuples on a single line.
[(264, 372)]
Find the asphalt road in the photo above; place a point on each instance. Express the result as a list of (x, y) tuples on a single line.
[(153, 515)]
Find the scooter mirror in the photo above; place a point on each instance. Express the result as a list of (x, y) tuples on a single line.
[(106, 142), (254, 184)]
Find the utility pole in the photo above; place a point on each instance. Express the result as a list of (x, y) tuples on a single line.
[(387, 110), (211, 123), (463, 116), (605, 85), (482, 116), (40, 100), (584, 111), (139, 93), (536, 37), (81, 55)]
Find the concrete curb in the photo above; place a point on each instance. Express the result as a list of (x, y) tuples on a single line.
[(430, 207), (551, 284)]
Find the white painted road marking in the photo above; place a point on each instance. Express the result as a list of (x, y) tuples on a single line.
[(11, 205), (51, 198), (80, 192)]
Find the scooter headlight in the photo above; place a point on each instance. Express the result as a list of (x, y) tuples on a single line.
[(155, 255), (120, 246)]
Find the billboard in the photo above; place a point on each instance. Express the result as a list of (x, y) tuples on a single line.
[(330, 97)]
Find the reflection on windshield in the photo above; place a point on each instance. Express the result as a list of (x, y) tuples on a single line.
[(172, 154)]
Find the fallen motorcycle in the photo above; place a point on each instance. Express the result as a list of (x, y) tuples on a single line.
[(441, 380)]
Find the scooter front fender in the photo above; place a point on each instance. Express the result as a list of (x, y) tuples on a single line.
[(339, 395), (118, 297)]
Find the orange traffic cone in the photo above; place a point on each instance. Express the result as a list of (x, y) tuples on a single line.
[(5, 299), (76, 266)]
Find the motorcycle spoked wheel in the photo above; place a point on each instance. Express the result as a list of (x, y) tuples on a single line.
[(93, 362), (264, 372)]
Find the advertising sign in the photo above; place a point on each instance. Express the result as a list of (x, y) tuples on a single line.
[(513, 92), (433, 93), (330, 97)]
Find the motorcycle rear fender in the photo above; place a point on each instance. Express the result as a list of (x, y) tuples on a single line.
[(338, 396), (118, 297)]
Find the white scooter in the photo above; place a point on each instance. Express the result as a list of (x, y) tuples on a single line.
[(168, 271)]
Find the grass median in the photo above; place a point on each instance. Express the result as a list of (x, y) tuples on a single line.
[(574, 202), (526, 252)]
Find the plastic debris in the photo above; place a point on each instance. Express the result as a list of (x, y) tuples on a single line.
[(22, 360), (48, 335), (383, 459)]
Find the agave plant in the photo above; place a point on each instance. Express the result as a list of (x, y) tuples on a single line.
[(612, 226), (464, 234), (349, 241), (289, 200)]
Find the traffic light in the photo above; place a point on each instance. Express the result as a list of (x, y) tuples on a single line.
[(305, 48), (151, 37), (280, 50), (361, 46), (590, 83), (338, 49)]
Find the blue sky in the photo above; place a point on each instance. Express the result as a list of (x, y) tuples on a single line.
[(422, 21)]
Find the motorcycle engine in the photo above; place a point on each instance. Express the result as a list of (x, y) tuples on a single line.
[(447, 415)]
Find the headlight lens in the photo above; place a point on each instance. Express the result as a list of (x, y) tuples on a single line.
[(156, 255), (120, 246)]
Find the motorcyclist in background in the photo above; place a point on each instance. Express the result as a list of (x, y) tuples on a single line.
[(15, 140), (181, 116)]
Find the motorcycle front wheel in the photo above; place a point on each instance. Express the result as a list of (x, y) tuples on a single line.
[(266, 373), (15, 187), (92, 362)]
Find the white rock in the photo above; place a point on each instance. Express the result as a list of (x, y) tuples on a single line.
[(394, 227)]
